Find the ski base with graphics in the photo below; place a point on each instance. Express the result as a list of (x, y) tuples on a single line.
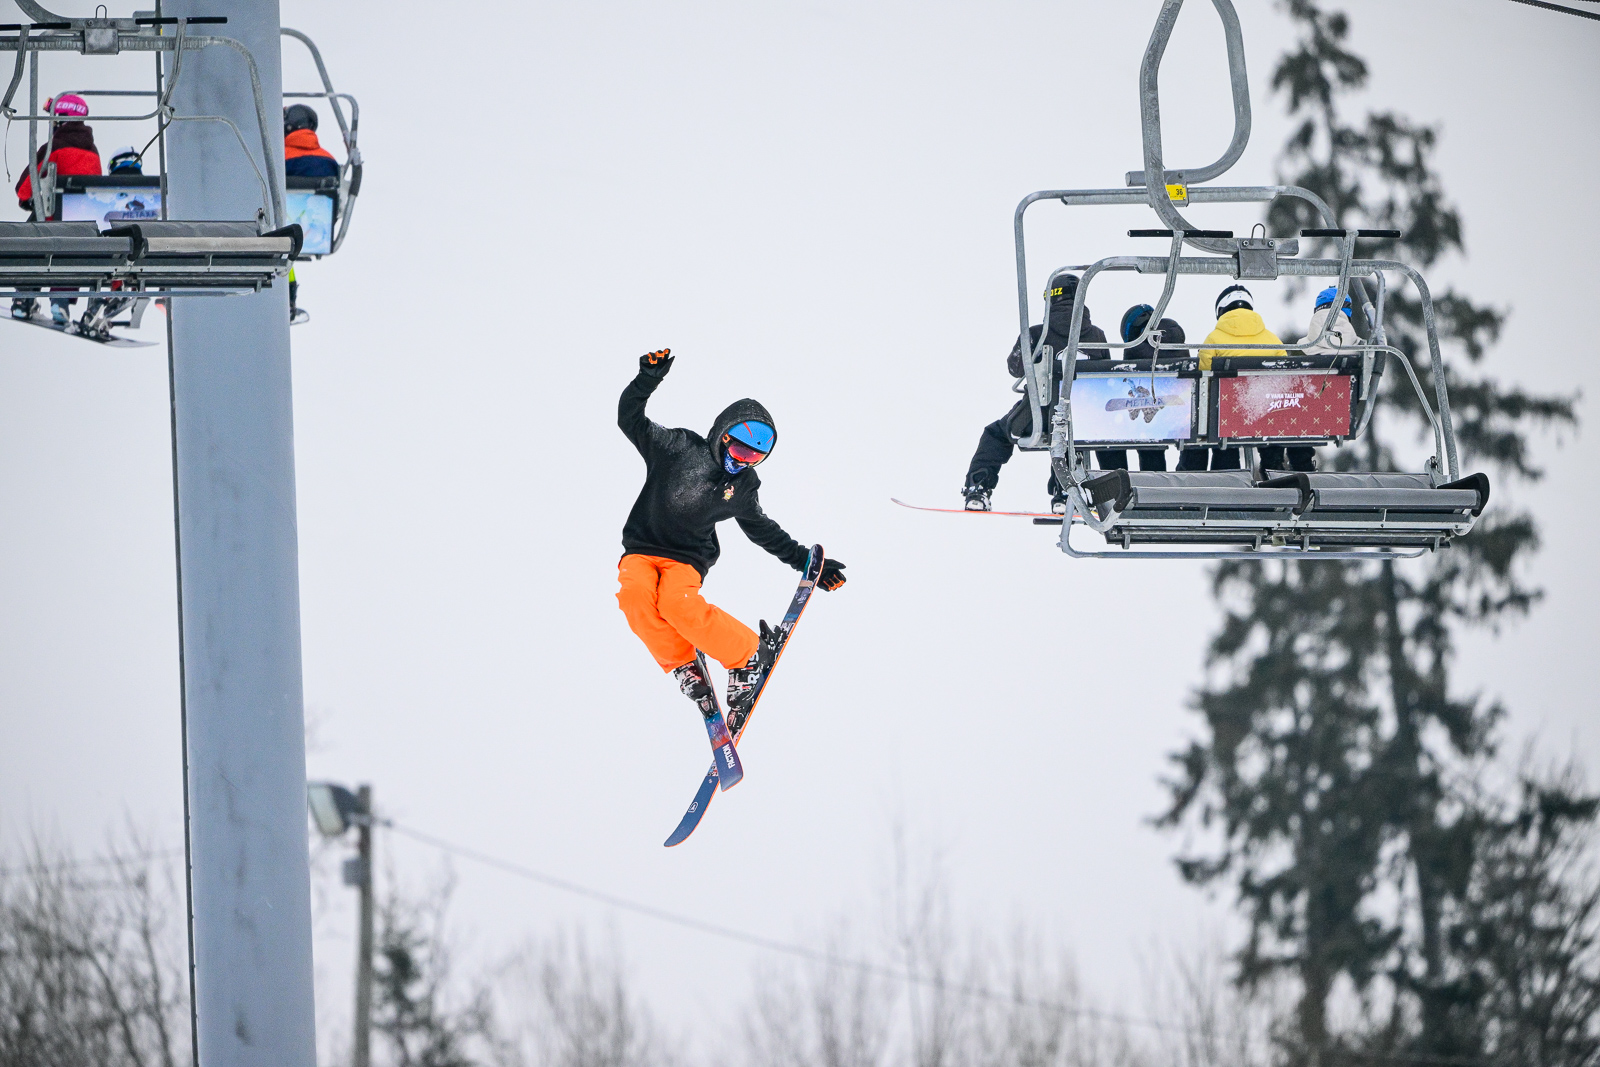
[(725, 765), (797, 605)]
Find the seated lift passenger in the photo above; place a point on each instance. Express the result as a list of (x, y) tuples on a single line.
[(1237, 323), (999, 438), (1133, 324), (1340, 334), (303, 157), (71, 148)]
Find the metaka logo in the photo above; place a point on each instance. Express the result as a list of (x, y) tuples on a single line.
[(727, 494), (727, 754)]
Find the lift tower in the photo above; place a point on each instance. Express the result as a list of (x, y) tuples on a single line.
[(239, 598)]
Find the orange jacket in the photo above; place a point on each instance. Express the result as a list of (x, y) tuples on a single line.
[(304, 143)]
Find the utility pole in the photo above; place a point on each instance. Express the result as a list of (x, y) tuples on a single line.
[(363, 1021), (238, 578)]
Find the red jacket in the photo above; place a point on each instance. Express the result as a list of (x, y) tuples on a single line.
[(72, 150)]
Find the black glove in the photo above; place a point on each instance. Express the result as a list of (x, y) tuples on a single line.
[(656, 364), (832, 576)]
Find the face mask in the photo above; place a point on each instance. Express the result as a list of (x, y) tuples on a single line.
[(731, 465)]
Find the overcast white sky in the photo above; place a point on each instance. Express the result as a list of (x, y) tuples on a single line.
[(812, 206)]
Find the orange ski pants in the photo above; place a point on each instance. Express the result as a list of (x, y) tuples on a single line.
[(661, 598)]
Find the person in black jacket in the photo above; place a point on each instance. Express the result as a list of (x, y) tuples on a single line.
[(670, 539), (1134, 321), (999, 438)]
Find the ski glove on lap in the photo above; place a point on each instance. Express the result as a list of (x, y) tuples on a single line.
[(832, 576), (656, 364)]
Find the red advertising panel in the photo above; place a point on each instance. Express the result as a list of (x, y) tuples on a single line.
[(1284, 405)]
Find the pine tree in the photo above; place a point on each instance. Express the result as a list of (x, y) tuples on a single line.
[(1331, 779)]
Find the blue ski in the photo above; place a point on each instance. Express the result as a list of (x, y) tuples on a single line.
[(725, 765), (708, 785)]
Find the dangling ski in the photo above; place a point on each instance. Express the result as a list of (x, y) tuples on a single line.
[(725, 765), (741, 719)]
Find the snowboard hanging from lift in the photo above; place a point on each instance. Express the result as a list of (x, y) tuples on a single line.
[(785, 629), (1048, 518), (70, 329)]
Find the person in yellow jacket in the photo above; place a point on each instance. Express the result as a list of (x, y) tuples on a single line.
[(1237, 323)]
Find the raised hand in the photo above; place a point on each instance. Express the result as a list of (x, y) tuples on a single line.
[(656, 364)]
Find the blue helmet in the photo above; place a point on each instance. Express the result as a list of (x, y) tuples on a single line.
[(1325, 299), (758, 435), (1134, 320)]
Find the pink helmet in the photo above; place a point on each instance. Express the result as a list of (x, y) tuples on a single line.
[(69, 104)]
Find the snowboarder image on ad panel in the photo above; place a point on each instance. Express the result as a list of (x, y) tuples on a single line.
[(670, 539)]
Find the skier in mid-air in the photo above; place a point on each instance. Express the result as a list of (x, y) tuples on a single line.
[(670, 539)]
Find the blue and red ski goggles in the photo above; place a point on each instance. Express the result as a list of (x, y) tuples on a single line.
[(742, 453)]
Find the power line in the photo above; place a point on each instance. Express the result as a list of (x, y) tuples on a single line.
[(788, 948), (865, 966), (1557, 7), (71, 865)]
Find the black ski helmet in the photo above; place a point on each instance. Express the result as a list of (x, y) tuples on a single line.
[(298, 117)]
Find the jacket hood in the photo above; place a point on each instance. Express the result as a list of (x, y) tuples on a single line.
[(1241, 322), (304, 140), (1171, 334), (1061, 319), (69, 135), (735, 413)]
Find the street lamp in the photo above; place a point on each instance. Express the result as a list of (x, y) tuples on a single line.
[(335, 809)]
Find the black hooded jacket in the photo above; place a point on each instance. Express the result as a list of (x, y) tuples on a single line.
[(687, 491), (1060, 330), (1171, 334)]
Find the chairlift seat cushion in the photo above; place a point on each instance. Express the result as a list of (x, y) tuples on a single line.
[(1351, 491), (1188, 489), (27, 239), (159, 238)]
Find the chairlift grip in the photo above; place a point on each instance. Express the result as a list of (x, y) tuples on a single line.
[(1186, 233), (1388, 234)]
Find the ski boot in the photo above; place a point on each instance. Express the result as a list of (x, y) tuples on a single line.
[(745, 682), (696, 688), (977, 497), (59, 313), (1058, 504), (23, 309)]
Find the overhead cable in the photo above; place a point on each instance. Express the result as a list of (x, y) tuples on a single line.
[(864, 966), (1557, 7), (830, 958)]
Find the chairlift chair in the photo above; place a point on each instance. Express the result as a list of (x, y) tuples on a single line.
[(144, 258), (1293, 397), (343, 190)]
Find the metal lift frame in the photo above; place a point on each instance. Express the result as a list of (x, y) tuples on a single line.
[(1263, 258), (350, 170), (113, 36)]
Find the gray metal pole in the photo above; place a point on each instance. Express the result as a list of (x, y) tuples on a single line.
[(363, 1021), (239, 601)]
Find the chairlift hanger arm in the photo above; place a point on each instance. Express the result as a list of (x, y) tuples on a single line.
[(1154, 176), (1238, 83)]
